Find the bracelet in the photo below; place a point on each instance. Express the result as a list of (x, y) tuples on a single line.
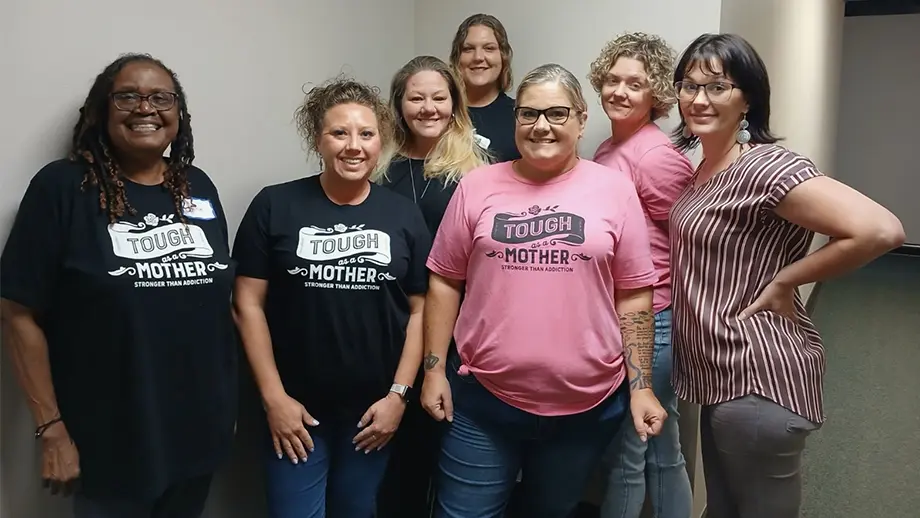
[(41, 429)]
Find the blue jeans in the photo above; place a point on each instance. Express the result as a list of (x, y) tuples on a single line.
[(335, 482), (489, 442), (658, 464)]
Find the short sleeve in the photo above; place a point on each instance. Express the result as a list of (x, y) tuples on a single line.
[(453, 243), (416, 282), (632, 258), (251, 246), (787, 172), (33, 255), (661, 176)]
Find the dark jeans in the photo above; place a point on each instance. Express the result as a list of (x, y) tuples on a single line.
[(752, 458), (335, 482), (489, 442), (182, 500)]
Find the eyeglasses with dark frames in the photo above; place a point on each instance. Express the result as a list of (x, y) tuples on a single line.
[(718, 91), (555, 115), (130, 101)]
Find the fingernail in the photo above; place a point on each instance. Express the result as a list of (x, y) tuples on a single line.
[(280, 456), (315, 422), (304, 459), (357, 448), (359, 424)]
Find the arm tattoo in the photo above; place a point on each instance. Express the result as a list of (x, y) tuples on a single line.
[(430, 361), (638, 330)]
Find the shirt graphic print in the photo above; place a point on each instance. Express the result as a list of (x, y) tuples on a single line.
[(530, 238), (159, 251), (343, 257)]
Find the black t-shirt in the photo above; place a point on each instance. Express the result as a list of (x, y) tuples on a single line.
[(495, 122), (138, 321), (406, 176), (339, 281)]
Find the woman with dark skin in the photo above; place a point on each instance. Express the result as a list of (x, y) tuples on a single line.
[(115, 292)]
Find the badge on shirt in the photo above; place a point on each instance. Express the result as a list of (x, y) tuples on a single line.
[(481, 140), (198, 208)]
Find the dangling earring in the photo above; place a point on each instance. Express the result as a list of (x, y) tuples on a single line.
[(743, 136)]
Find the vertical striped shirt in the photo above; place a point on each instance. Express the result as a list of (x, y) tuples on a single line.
[(727, 244)]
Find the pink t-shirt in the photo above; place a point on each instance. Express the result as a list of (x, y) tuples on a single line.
[(538, 326), (660, 173)]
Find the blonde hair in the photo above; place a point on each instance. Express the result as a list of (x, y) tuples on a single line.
[(655, 55), (340, 90), (505, 78), (456, 152), (553, 73)]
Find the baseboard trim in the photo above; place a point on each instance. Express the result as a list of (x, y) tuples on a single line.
[(913, 250)]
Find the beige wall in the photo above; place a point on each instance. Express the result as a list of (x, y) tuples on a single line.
[(800, 42), (879, 113)]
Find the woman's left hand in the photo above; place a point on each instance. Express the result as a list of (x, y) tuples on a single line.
[(379, 423), (776, 297)]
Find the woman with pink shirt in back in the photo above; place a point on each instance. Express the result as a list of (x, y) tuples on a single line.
[(633, 76), (549, 249)]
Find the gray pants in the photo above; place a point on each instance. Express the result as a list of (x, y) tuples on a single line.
[(752, 458)]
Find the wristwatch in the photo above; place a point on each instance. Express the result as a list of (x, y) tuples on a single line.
[(402, 390)]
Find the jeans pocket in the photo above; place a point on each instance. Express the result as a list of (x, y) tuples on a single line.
[(797, 424)]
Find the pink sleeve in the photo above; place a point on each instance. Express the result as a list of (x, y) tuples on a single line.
[(661, 176), (453, 242), (632, 259)]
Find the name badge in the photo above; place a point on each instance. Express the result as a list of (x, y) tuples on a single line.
[(481, 140), (198, 208)]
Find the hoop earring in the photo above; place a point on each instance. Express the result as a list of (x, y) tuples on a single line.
[(743, 136)]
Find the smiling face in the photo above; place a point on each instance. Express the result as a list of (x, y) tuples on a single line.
[(625, 94), (715, 110), (427, 105), (547, 146), (350, 143), (480, 61), (137, 125)]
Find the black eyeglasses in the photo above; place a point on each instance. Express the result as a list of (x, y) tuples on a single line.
[(718, 92), (130, 101), (556, 115)]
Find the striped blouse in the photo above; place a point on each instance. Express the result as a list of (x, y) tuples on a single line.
[(726, 246)]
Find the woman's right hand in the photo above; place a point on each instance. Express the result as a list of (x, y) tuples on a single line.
[(436, 398), (287, 420), (60, 460)]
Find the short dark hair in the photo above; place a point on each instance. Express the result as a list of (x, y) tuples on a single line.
[(740, 61)]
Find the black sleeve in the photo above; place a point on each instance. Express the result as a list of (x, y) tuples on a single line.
[(251, 246), (32, 258), (416, 282), (218, 206)]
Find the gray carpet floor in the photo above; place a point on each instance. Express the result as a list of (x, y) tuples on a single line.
[(865, 461)]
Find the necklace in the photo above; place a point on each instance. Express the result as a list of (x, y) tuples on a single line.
[(415, 196)]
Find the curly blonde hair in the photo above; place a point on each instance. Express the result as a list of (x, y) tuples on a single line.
[(654, 53), (341, 90)]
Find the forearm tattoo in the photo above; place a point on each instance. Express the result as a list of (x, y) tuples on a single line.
[(430, 361), (638, 330)]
